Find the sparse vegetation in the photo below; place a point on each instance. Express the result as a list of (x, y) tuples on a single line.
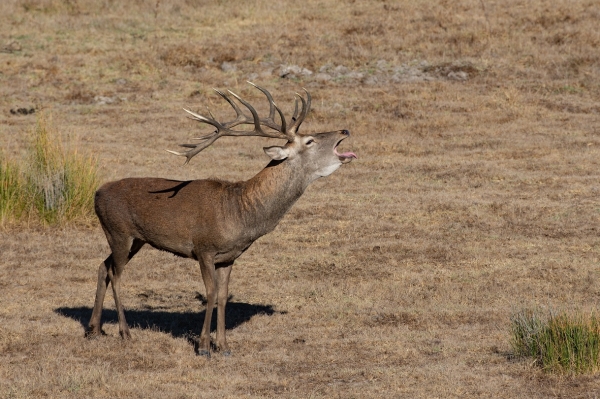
[(559, 342), (54, 184), (11, 190)]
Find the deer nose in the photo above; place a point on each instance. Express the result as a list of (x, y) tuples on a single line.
[(345, 132)]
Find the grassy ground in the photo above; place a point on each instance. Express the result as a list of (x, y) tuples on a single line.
[(476, 194)]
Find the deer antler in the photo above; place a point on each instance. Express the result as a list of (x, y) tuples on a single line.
[(279, 131)]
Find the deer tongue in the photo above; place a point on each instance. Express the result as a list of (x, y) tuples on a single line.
[(345, 155)]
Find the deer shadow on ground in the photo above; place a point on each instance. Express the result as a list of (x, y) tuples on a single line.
[(179, 324)]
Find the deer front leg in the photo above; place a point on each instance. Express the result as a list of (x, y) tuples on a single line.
[(223, 272), (207, 268), (115, 282)]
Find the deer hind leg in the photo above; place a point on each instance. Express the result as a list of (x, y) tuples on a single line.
[(110, 271), (94, 328), (223, 271)]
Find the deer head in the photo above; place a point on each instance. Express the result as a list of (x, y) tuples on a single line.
[(317, 152)]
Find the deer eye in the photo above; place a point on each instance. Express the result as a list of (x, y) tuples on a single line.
[(309, 142)]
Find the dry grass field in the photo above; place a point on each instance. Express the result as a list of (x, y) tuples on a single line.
[(476, 194)]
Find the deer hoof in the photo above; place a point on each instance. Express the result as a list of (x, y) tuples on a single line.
[(204, 352), (92, 333)]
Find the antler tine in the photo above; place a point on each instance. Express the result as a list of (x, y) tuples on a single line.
[(305, 108), (269, 97), (256, 120), (270, 121), (210, 113), (241, 118), (195, 148), (197, 117), (295, 109)]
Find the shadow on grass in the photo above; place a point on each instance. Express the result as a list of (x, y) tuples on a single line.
[(178, 324)]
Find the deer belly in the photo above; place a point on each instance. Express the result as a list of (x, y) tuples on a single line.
[(180, 246)]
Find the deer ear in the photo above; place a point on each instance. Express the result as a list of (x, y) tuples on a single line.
[(276, 153)]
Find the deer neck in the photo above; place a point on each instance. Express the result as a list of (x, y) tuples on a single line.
[(271, 193)]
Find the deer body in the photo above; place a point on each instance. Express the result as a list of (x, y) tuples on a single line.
[(188, 217), (211, 221)]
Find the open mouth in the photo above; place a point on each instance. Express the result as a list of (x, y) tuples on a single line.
[(344, 157)]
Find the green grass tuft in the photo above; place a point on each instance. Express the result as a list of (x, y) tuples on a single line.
[(10, 190), (55, 185), (564, 343)]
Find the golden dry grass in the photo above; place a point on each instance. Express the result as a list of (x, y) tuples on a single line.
[(476, 193)]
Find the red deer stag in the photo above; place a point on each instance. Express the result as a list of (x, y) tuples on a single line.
[(212, 221)]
